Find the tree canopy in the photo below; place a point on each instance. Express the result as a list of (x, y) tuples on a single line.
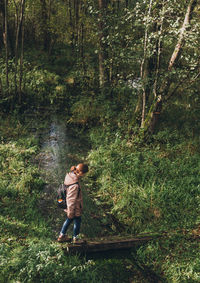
[(147, 48)]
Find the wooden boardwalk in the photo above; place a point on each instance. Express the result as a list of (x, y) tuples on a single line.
[(99, 245)]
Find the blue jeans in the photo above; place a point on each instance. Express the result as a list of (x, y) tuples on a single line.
[(77, 226)]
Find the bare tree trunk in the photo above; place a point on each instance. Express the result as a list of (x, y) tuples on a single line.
[(6, 43), (16, 45), (72, 26), (45, 28), (19, 23), (160, 29), (51, 39), (82, 31), (77, 3), (21, 65), (101, 68), (156, 108), (103, 74), (82, 42), (182, 34), (143, 70), (1, 87), (49, 10), (2, 11)]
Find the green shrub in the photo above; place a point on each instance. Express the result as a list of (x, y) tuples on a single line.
[(39, 86)]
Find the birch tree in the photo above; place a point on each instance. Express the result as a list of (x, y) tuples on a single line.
[(20, 7), (103, 75), (161, 85), (6, 42)]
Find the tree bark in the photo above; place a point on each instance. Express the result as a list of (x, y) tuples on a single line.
[(180, 42), (19, 23), (77, 3), (2, 11), (103, 72), (1, 87), (6, 43), (101, 59), (144, 65), (45, 28), (21, 64), (72, 26)]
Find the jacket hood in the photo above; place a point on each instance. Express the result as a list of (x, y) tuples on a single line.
[(70, 178)]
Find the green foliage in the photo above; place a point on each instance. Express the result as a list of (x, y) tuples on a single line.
[(176, 259), (14, 171), (37, 82), (47, 262), (19, 178), (110, 109)]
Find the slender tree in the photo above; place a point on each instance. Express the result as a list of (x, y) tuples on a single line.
[(6, 42), (19, 22), (21, 64), (181, 37), (71, 23), (103, 72), (162, 94), (45, 24), (144, 65), (9, 35), (1, 87)]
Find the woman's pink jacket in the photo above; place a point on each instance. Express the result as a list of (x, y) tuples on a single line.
[(74, 196)]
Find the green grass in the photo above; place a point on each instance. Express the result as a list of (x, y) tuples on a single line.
[(28, 251), (177, 258), (149, 188), (154, 187)]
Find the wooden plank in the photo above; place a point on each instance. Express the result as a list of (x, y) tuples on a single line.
[(106, 245)]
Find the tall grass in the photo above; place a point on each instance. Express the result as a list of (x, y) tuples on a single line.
[(154, 187), (149, 188), (177, 258)]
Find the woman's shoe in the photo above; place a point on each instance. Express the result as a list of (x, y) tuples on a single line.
[(77, 240), (63, 238)]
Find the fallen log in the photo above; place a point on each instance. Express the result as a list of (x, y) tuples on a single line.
[(95, 245)]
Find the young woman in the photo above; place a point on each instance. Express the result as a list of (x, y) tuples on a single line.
[(74, 202)]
